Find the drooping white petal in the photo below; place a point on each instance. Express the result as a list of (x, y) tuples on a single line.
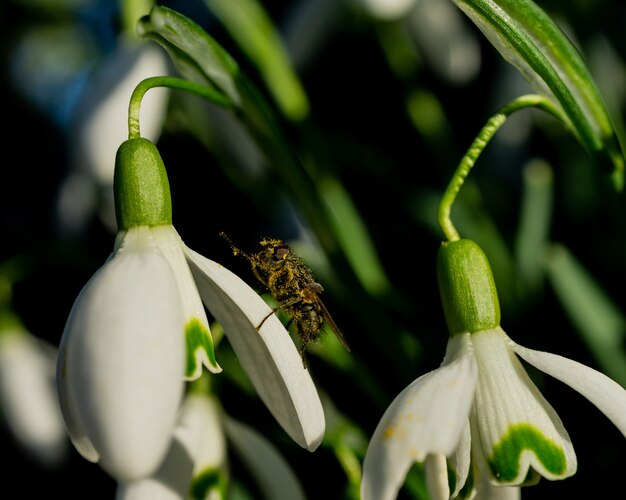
[(606, 394), (428, 417), (28, 397), (200, 349), (268, 355), (119, 371), (273, 475), (513, 427), (198, 448), (460, 461), (201, 430)]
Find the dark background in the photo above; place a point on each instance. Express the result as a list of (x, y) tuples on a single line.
[(358, 120)]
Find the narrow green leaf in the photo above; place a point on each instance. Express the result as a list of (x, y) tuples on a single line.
[(531, 41), (599, 322), (196, 55), (532, 234), (353, 237), (251, 27)]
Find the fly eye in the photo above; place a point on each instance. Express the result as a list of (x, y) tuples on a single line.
[(281, 253)]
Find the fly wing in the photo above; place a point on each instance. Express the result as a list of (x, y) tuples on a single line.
[(331, 323)]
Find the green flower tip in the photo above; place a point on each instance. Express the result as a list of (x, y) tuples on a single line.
[(207, 481), (467, 288), (141, 188), (505, 459), (200, 350)]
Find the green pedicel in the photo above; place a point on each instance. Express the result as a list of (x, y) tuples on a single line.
[(505, 459)]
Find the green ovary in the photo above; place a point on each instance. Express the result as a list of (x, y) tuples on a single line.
[(505, 459), (198, 337)]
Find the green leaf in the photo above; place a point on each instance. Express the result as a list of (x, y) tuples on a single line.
[(598, 320), (251, 27), (532, 234), (531, 41), (196, 55)]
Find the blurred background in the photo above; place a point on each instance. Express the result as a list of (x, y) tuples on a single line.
[(378, 104)]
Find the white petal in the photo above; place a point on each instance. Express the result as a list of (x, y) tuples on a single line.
[(119, 372), (460, 462), (196, 326), (268, 355), (436, 472), (444, 38), (149, 489), (513, 426), (607, 395), (273, 474), (387, 9), (199, 445), (428, 417), (28, 398), (201, 431)]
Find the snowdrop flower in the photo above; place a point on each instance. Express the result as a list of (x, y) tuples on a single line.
[(196, 460), (138, 329), (445, 40), (386, 10), (27, 396), (480, 398), (197, 464)]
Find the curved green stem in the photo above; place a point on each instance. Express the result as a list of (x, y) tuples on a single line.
[(474, 151), (172, 82)]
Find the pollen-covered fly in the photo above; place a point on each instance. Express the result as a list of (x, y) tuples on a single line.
[(290, 281)]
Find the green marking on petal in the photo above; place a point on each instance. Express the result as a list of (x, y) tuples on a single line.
[(505, 459), (207, 481), (199, 340)]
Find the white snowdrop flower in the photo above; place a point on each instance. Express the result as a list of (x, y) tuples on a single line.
[(480, 399), (138, 329), (27, 395)]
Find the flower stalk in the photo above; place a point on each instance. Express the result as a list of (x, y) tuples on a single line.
[(172, 82), (471, 156)]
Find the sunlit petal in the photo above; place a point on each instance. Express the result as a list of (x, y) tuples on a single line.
[(513, 427), (119, 372), (268, 355), (428, 417), (604, 393), (200, 349)]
